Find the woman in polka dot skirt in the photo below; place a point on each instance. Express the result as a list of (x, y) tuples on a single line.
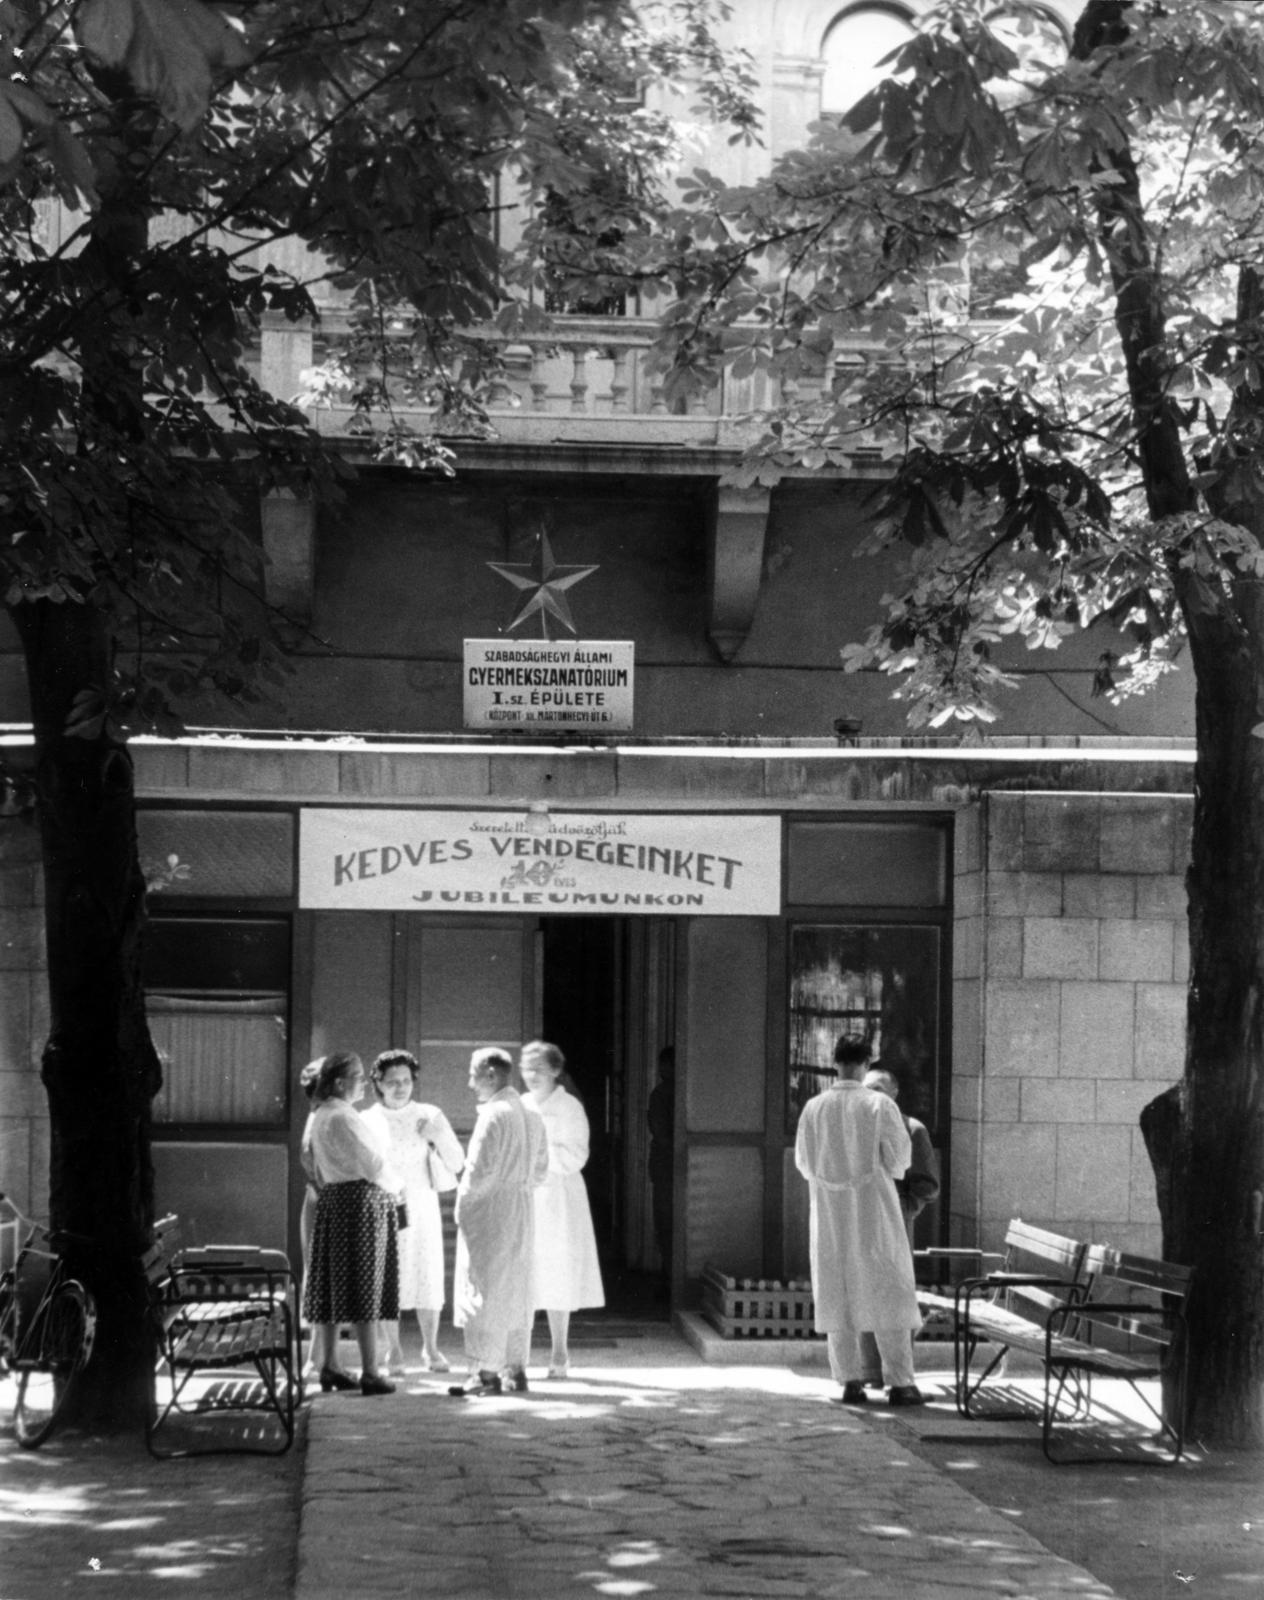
[(353, 1274)]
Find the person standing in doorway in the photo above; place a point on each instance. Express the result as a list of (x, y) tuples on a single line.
[(851, 1146), (567, 1273), (661, 1117), (507, 1159)]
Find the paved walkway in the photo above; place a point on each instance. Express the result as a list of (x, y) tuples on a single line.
[(647, 1472)]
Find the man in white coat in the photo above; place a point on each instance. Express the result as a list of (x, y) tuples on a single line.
[(851, 1147), (492, 1292)]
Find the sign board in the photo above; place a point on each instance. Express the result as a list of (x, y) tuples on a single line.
[(577, 685), (656, 864)]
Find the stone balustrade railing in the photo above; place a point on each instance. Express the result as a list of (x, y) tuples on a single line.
[(581, 366), (584, 380)]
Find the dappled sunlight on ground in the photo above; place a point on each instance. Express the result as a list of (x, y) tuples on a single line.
[(1152, 1532), (639, 1476), (646, 1472), (92, 1510)]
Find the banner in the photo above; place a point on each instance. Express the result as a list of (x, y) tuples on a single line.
[(548, 684), (652, 864)]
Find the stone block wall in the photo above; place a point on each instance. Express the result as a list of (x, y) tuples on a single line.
[(1071, 960), (23, 1017)]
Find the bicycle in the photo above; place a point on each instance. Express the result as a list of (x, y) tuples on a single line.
[(48, 1324)]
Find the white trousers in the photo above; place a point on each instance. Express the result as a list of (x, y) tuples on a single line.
[(507, 1347), (847, 1363)]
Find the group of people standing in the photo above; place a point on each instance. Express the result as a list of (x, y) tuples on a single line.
[(372, 1227), (373, 1233)]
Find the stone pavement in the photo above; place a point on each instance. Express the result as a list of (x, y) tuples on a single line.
[(93, 1518), (647, 1473)]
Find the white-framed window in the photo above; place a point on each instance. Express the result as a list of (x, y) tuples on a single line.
[(861, 36)]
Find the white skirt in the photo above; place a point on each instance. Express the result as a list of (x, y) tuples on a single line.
[(421, 1252), (567, 1274)]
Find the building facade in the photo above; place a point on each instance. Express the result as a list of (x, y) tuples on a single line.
[(710, 838)]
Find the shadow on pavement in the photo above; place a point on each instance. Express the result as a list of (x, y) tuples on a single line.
[(1150, 1532), (92, 1515)]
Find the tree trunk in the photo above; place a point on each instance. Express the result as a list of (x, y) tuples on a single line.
[(1206, 1136), (1210, 1135), (99, 1065)]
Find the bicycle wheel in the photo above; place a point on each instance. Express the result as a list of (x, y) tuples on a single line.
[(57, 1350)]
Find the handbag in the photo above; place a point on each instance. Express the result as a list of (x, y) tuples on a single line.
[(438, 1172)]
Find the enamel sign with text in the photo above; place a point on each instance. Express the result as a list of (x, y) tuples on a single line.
[(584, 686)]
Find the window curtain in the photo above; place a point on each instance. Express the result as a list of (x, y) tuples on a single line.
[(223, 1061)]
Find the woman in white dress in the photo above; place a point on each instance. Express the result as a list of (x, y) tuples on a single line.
[(567, 1274), (427, 1156)]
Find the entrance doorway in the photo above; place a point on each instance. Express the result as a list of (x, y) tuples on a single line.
[(602, 989), (607, 997), (579, 1012)]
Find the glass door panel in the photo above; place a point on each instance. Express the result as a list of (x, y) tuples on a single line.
[(876, 983)]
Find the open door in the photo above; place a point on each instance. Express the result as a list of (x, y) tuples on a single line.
[(603, 990), (608, 1002)]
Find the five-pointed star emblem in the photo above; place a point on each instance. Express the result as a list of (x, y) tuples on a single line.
[(543, 584)]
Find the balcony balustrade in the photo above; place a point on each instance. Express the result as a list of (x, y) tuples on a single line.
[(586, 380)]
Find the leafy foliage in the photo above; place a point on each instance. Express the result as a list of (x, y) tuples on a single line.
[(192, 150), (1079, 440)]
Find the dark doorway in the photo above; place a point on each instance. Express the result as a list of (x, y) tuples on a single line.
[(594, 991), (580, 1015)]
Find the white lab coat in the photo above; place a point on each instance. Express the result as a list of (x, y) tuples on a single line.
[(851, 1147), (410, 1131), (567, 1273), (507, 1159)]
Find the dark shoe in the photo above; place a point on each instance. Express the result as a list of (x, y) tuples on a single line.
[(906, 1394), (331, 1378), (518, 1381), (487, 1383), (371, 1383), (854, 1395)]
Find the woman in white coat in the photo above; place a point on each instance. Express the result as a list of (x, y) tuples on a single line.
[(566, 1273), (426, 1155)]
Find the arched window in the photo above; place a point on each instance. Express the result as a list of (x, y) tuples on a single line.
[(861, 36), (1039, 40), (855, 42)]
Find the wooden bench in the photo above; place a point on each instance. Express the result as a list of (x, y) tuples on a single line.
[(1129, 1324), (1038, 1272), (225, 1310), (1084, 1311)]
